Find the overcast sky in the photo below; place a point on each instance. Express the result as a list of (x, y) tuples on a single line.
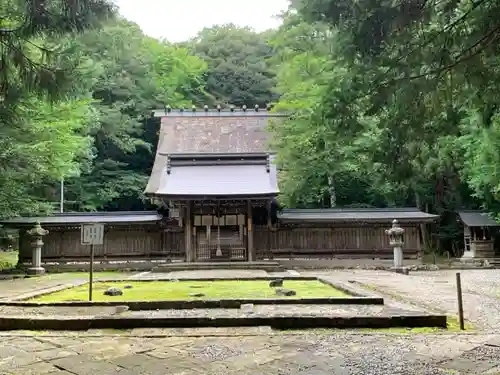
[(179, 20)]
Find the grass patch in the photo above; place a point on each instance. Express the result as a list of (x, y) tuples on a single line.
[(8, 260), (181, 290)]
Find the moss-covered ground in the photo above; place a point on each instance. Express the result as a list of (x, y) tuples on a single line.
[(453, 326), (183, 290), (8, 259)]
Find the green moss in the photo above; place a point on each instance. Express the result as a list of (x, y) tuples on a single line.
[(453, 326), (180, 290), (8, 259)]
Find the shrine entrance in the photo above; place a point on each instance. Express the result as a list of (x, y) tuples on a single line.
[(220, 231)]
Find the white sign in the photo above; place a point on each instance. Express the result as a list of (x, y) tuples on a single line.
[(174, 213), (92, 234)]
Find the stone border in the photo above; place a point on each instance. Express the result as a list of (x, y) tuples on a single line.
[(277, 322), (356, 299), (204, 304)]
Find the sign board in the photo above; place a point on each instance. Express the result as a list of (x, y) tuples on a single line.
[(174, 213), (92, 234)]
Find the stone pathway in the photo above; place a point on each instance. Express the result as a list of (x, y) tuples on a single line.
[(247, 351)]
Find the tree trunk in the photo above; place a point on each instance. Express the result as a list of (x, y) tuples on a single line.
[(423, 227), (333, 193)]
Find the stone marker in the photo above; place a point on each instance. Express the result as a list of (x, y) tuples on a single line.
[(247, 308), (37, 233), (278, 283), (128, 286), (396, 241), (196, 295), (285, 292), (113, 292)]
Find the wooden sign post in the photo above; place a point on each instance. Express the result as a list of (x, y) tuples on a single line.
[(92, 234)]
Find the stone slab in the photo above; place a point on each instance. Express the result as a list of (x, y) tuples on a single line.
[(86, 365), (277, 322), (288, 353)]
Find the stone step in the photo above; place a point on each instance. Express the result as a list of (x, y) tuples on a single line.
[(269, 266)]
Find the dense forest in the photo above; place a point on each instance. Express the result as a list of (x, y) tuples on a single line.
[(393, 104)]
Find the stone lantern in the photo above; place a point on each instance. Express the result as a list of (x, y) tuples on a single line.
[(396, 241), (37, 233)]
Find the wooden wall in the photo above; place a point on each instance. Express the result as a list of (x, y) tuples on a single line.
[(135, 242), (332, 242), (287, 241)]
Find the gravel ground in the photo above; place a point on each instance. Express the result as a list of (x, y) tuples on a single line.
[(279, 310), (258, 311), (434, 290), (55, 311)]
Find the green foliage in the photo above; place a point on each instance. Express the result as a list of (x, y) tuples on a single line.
[(238, 71), (26, 63), (132, 75), (400, 97), (41, 144), (94, 128), (391, 103)]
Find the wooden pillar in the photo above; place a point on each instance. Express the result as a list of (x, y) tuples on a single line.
[(188, 232), (269, 231), (251, 250), (162, 249), (358, 238)]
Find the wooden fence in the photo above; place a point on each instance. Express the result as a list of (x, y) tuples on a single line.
[(153, 242)]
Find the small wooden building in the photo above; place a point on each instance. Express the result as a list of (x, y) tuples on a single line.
[(215, 179), (480, 231)]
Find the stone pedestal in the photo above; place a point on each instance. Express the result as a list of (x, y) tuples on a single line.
[(398, 257), (36, 264)]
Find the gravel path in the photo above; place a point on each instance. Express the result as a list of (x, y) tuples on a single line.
[(435, 291), (255, 311)]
